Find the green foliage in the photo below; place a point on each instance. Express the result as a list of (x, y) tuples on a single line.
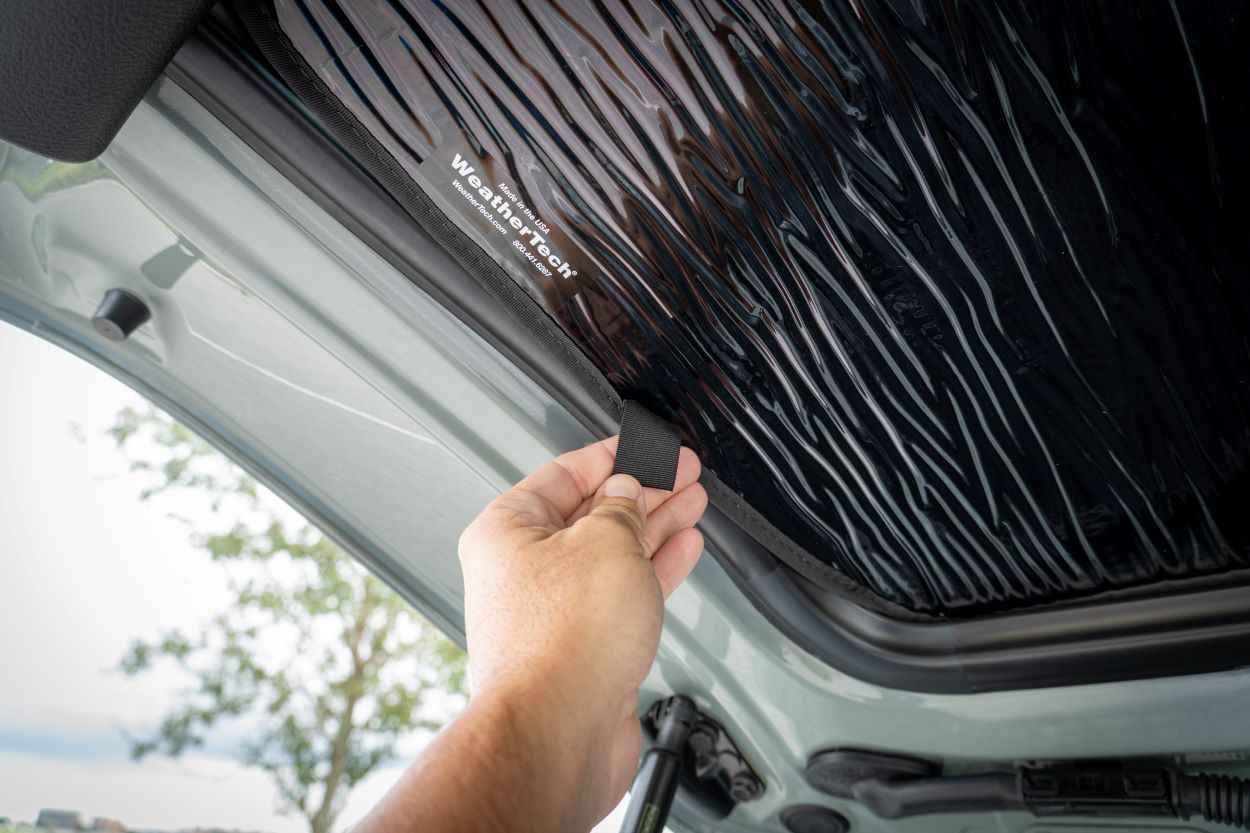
[(326, 666)]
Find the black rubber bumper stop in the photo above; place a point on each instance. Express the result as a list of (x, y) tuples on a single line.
[(811, 818), (119, 315)]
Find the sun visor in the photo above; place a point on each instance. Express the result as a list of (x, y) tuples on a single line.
[(71, 72)]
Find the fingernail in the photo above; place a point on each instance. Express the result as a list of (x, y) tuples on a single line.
[(622, 485)]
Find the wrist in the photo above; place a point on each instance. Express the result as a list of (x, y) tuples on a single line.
[(542, 730), (548, 704), (560, 687)]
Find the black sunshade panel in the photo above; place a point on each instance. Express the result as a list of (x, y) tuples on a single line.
[(954, 294)]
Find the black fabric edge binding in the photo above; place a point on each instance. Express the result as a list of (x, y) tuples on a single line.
[(1197, 632), (648, 448)]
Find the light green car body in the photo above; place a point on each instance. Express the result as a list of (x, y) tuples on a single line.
[(312, 362)]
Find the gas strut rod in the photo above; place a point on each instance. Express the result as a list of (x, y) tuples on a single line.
[(656, 782)]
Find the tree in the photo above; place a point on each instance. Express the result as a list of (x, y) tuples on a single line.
[(322, 665)]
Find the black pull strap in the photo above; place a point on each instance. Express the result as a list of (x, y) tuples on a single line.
[(648, 448)]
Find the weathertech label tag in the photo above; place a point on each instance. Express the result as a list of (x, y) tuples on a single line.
[(477, 191)]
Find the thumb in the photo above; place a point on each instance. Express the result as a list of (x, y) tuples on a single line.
[(619, 506)]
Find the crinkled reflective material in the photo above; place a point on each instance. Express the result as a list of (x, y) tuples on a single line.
[(954, 294)]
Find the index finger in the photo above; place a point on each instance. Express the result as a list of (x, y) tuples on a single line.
[(573, 477)]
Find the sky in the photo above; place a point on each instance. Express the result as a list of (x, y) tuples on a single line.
[(85, 569)]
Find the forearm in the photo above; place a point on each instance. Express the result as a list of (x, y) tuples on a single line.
[(565, 581), (510, 762)]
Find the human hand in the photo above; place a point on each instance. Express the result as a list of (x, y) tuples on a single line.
[(565, 577)]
